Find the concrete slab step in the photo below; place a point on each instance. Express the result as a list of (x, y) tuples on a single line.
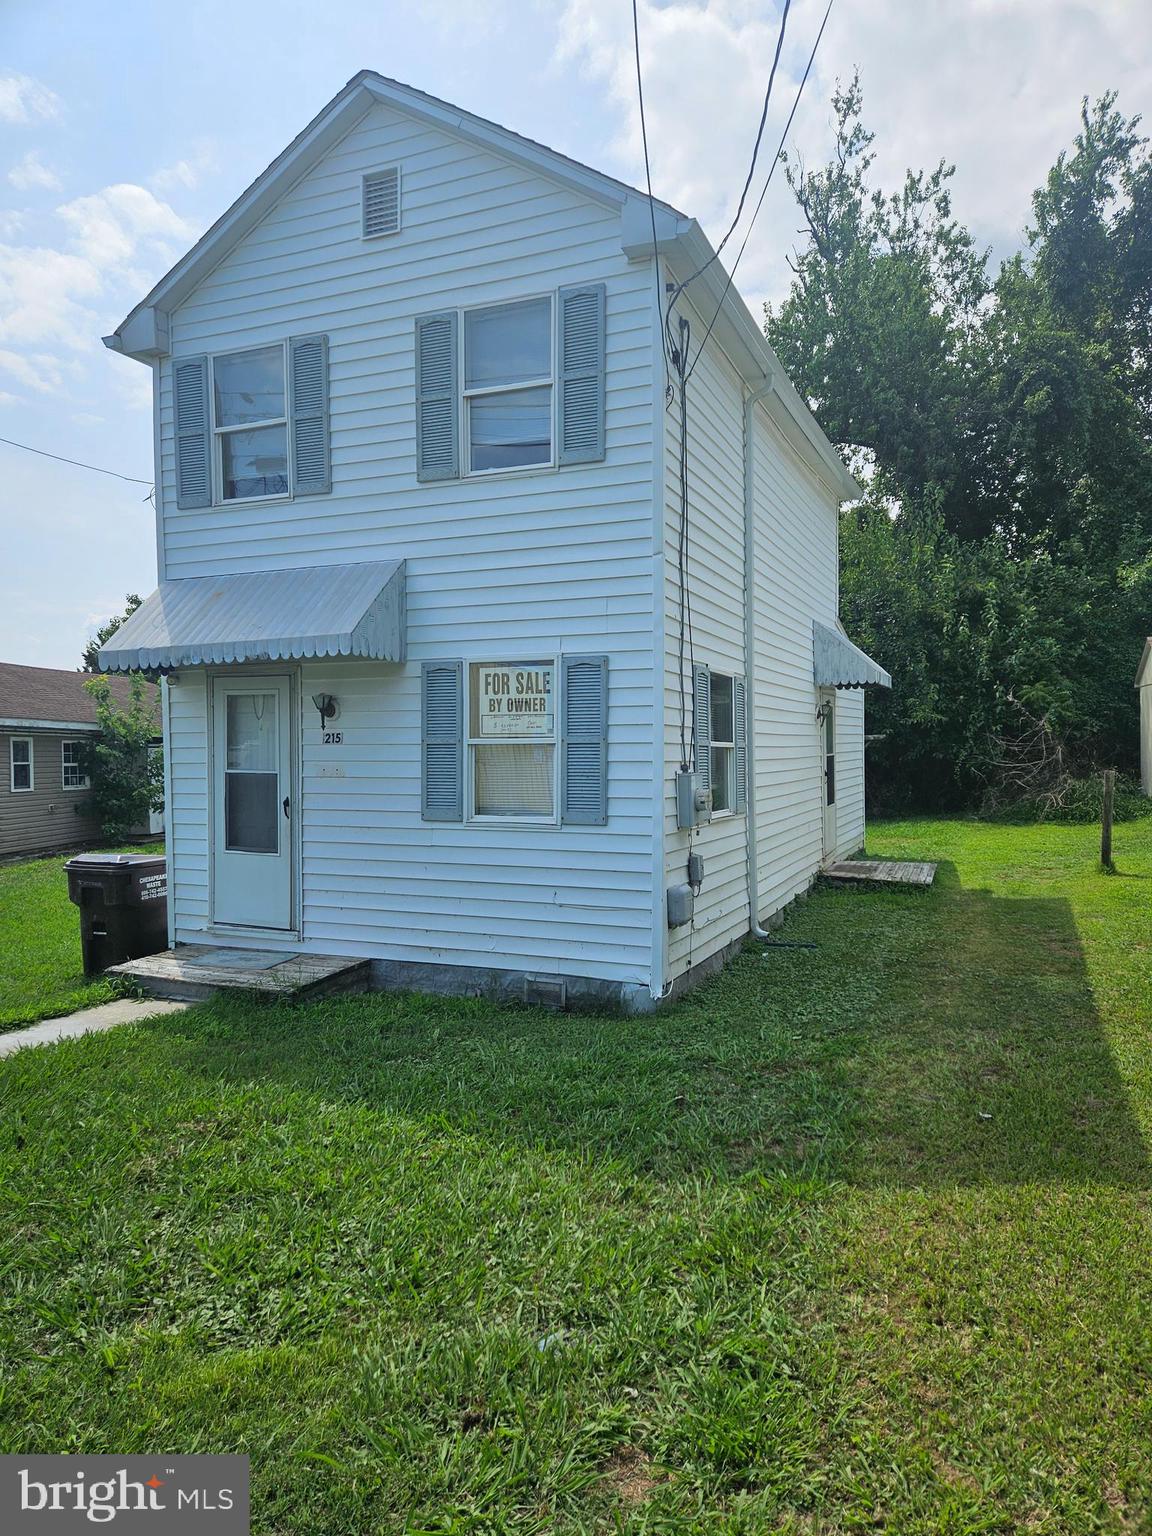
[(882, 871), (196, 972)]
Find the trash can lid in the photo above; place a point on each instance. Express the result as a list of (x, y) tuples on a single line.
[(104, 860)]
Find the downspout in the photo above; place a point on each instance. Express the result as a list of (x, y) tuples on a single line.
[(750, 403)]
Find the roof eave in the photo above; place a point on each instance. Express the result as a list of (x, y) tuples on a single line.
[(143, 335), (745, 343)]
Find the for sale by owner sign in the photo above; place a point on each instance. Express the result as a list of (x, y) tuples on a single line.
[(516, 700)]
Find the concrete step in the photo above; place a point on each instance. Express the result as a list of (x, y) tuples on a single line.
[(194, 972)]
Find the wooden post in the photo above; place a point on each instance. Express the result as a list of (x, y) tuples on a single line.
[(1106, 819)]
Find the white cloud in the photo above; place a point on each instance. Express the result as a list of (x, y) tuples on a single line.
[(114, 227), (24, 100), (992, 85), (117, 241), (186, 174), (44, 295), (32, 172), (37, 370)]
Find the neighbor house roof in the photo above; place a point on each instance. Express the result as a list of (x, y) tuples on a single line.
[(144, 333), (1144, 670), (43, 697)]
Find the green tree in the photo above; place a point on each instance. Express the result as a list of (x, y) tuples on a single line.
[(125, 769), (90, 660), (1000, 566)]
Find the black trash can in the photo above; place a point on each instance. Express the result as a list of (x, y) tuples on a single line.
[(123, 901)]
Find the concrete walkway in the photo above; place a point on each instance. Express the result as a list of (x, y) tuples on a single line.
[(124, 1010)]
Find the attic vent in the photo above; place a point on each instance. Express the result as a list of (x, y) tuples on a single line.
[(382, 202)]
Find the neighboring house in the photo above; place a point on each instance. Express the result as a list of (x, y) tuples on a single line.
[(1144, 684), (419, 533), (45, 715)]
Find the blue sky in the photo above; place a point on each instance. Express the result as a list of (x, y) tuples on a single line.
[(127, 127)]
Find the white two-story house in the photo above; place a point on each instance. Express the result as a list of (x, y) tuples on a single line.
[(467, 671)]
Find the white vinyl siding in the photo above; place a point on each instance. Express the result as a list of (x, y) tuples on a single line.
[(531, 563), (794, 580), (716, 567)]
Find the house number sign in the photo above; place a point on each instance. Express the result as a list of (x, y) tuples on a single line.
[(516, 701), (332, 738)]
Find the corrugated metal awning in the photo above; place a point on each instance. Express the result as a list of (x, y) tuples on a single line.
[(326, 610), (837, 663)]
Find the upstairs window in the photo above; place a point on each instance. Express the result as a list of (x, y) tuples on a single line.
[(250, 424), (72, 775), (20, 764), (508, 386)]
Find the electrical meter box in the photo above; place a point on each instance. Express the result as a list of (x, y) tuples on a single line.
[(693, 803)]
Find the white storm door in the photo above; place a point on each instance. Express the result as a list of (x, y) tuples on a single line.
[(828, 769), (252, 795)]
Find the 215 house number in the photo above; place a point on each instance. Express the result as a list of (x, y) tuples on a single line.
[(332, 738)]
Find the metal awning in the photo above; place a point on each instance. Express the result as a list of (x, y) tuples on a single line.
[(327, 610), (837, 663)]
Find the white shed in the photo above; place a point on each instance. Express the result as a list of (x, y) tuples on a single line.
[(1144, 684), (458, 680)]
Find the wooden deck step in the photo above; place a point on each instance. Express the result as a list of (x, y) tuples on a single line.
[(193, 972), (882, 871)]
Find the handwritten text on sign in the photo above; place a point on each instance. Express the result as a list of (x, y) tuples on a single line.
[(516, 701)]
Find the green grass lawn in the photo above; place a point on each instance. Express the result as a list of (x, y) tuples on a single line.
[(856, 1238), (41, 974)]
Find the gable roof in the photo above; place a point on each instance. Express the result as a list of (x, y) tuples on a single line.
[(46, 695), (1144, 670), (143, 334)]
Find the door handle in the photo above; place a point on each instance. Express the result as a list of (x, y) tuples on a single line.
[(285, 806)]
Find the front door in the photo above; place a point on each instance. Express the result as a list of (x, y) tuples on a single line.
[(828, 768), (252, 794)]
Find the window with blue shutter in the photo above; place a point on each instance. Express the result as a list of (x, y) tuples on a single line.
[(442, 740), (580, 411), (193, 432), (584, 740), (437, 396), (308, 367)]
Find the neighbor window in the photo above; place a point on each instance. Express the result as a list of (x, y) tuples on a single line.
[(508, 385), (250, 424), (72, 767), (20, 763), (723, 743), (512, 739)]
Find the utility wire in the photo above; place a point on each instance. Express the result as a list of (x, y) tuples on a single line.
[(680, 287), (44, 454), (648, 176), (764, 189)]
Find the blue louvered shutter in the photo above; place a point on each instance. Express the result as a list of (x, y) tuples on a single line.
[(442, 737), (702, 726), (584, 740), (740, 725), (581, 374), (308, 372), (193, 432), (437, 397)]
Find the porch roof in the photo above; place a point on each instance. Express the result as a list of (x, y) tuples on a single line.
[(837, 663), (326, 610)]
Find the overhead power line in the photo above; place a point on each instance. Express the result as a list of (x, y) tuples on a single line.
[(648, 176), (60, 459), (680, 287), (764, 188)]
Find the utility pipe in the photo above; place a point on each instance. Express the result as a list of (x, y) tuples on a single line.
[(750, 402)]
